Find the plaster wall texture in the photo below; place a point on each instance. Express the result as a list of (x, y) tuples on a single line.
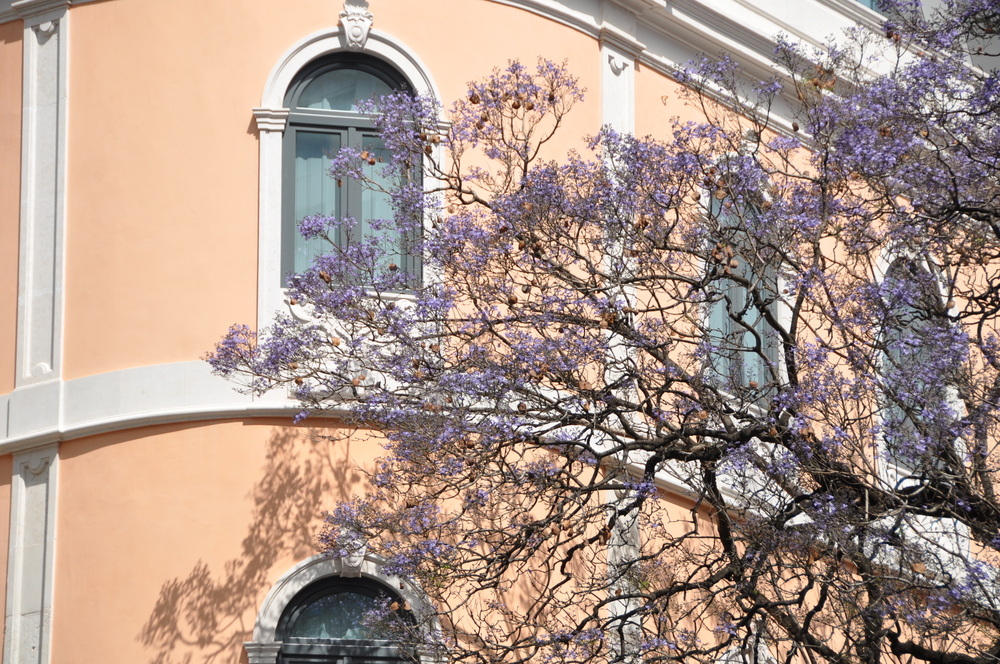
[(11, 34), (170, 537)]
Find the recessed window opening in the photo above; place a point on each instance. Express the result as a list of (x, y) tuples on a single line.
[(916, 413), (323, 119), (743, 353), (346, 620)]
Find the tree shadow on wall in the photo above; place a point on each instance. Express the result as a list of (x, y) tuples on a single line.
[(203, 616)]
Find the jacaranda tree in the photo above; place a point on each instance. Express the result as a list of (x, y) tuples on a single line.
[(726, 394)]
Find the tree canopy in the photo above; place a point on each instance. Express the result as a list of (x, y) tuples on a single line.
[(725, 394)]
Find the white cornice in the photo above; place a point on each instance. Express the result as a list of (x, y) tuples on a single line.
[(621, 40), (33, 10), (128, 399)]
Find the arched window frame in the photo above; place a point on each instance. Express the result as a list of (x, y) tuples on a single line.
[(266, 646), (272, 118), (311, 136)]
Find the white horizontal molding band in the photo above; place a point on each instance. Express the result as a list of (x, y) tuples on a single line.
[(143, 396)]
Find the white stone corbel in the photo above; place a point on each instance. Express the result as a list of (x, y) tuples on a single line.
[(356, 21), (271, 119), (262, 653), (44, 30), (617, 63)]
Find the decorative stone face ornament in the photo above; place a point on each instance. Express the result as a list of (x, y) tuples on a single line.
[(352, 563), (356, 21)]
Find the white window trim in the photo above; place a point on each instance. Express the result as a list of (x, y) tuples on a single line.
[(272, 118)]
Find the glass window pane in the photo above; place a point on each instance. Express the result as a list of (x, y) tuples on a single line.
[(735, 323), (340, 615), (340, 90), (377, 205), (908, 352), (315, 191)]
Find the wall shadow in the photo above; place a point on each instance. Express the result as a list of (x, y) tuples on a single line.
[(208, 614)]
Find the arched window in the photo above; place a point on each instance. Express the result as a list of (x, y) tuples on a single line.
[(336, 609), (344, 620), (742, 286), (323, 118)]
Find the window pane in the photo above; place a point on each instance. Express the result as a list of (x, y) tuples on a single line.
[(315, 191), (909, 351), (340, 90), (377, 205), (734, 322), (871, 4), (337, 616)]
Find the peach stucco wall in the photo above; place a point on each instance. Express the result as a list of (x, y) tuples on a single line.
[(168, 539), (658, 100), (163, 156), (10, 194)]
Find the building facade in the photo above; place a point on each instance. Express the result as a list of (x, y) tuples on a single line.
[(153, 156)]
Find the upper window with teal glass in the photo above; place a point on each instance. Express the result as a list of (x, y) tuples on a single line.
[(323, 119), (741, 287)]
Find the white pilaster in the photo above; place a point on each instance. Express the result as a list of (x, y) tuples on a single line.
[(619, 52), (28, 622), (43, 156), (270, 126)]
